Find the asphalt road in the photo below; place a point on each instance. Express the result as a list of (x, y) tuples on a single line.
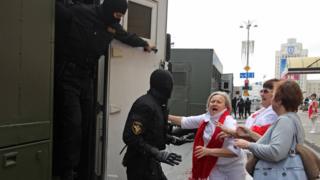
[(183, 170)]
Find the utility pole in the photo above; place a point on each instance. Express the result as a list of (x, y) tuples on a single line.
[(247, 25)]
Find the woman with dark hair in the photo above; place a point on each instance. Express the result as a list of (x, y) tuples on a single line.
[(313, 111), (258, 122), (262, 119), (276, 149)]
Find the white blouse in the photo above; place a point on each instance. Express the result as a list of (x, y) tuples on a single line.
[(262, 117), (193, 122)]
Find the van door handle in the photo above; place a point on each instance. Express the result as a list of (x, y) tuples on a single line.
[(10, 159)]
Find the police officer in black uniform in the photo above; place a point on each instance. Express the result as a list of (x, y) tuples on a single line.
[(145, 131), (83, 33)]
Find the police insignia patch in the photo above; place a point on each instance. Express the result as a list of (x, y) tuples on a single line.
[(137, 127)]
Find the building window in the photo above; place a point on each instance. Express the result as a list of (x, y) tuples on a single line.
[(139, 19), (225, 85)]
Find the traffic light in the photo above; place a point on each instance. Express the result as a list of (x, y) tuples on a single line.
[(246, 84), (246, 87)]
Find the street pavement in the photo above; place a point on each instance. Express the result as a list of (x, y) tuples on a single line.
[(183, 170), (311, 139)]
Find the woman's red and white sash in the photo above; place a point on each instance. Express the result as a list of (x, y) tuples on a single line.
[(202, 167)]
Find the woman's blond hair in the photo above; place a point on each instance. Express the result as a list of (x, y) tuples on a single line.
[(224, 95)]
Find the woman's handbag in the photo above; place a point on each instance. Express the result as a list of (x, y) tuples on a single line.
[(290, 168), (251, 163), (311, 161)]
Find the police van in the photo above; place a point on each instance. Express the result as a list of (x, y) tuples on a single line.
[(26, 93)]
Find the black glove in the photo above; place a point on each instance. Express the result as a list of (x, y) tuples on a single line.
[(181, 140), (168, 158)]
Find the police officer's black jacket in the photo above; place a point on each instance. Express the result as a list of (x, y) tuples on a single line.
[(146, 127), (82, 37)]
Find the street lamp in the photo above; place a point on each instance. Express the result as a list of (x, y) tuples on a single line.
[(247, 25)]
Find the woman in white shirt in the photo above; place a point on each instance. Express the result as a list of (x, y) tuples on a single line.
[(214, 158), (258, 122)]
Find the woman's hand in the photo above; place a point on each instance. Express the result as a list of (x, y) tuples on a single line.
[(222, 135), (225, 129), (241, 143), (242, 132), (201, 151), (245, 133)]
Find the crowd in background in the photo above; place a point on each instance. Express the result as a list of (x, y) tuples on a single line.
[(241, 107)]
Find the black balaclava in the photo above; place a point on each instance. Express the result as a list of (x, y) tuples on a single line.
[(161, 84), (108, 7)]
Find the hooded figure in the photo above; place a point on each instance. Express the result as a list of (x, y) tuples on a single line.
[(161, 84), (145, 132), (81, 38), (109, 7)]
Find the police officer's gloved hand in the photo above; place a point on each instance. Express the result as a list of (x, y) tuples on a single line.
[(181, 140), (168, 158)]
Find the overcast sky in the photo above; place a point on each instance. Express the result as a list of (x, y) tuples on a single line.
[(215, 24)]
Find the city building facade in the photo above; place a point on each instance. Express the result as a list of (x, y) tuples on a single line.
[(313, 86), (290, 49), (196, 73), (227, 83)]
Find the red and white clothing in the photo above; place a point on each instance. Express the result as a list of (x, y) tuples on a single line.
[(313, 109), (261, 120), (225, 168)]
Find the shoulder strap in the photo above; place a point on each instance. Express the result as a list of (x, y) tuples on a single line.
[(295, 137), (294, 141)]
